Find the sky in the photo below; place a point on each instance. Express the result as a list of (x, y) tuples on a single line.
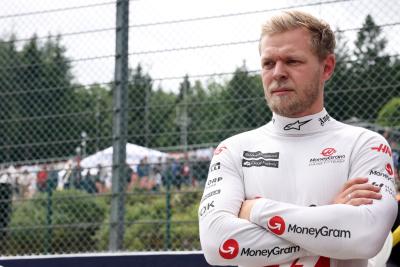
[(177, 37)]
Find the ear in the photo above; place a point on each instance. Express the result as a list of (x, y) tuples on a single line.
[(329, 66)]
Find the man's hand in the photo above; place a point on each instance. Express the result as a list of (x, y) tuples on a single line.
[(245, 210), (358, 192)]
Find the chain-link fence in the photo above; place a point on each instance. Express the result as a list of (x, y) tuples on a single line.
[(193, 81)]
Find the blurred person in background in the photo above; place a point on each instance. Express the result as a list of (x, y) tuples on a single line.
[(143, 172), (5, 203), (26, 182), (396, 159), (41, 179), (186, 171), (52, 180), (157, 172), (304, 189), (101, 178)]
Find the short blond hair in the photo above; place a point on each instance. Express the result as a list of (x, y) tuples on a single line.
[(322, 37)]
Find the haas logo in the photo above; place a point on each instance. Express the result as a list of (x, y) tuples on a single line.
[(276, 225), (229, 249), (219, 150)]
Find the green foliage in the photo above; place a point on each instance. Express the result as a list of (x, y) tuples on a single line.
[(45, 113), (140, 86), (245, 107), (389, 115), (364, 80), (146, 222), (66, 224)]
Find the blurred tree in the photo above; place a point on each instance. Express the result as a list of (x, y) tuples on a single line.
[(372, 73), (339, 85), (389, 115), (139, 91), (163, 130), (38, 83), (93, 105), (244, 105), (9, 60)]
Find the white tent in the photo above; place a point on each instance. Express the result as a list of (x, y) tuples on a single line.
[(134, 154)]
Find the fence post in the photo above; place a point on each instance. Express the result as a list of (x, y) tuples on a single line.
[(120, 96), (49, 217), (167, 244)]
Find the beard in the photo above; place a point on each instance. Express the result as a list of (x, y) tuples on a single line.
[(295, 102)]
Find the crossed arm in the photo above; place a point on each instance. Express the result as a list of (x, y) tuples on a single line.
[(224, 217), (355, 192)]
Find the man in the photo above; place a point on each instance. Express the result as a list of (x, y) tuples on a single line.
[(305, 189)]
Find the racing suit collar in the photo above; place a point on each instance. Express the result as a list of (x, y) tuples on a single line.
[(303, 125)]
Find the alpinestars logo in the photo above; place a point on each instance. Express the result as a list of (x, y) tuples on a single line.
[(295, 125), (328, 157), (276, 225), (229, 249)]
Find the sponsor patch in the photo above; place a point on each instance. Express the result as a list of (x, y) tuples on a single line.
[(213, 181), (206, 208), (215, 166), (260, 163), (275, 251), (219, 150), (229, 249), (389, 169), (382, 174), (386, 188), (210, 194), (324, 231), (295, 125), (329, 151), (328, 157), (276, 225), (259, 154), (324, 119), (383, 149)]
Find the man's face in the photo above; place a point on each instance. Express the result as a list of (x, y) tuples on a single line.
[(293, 77)]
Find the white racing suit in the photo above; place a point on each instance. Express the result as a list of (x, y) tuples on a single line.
[(296, 167)]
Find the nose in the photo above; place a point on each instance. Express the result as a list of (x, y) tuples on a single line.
[(279, 72)]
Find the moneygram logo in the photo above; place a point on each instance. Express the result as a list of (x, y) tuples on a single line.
[(329, 151), (329, 156), (276, 225), (324, 231), (229, 249), (389, 169)]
